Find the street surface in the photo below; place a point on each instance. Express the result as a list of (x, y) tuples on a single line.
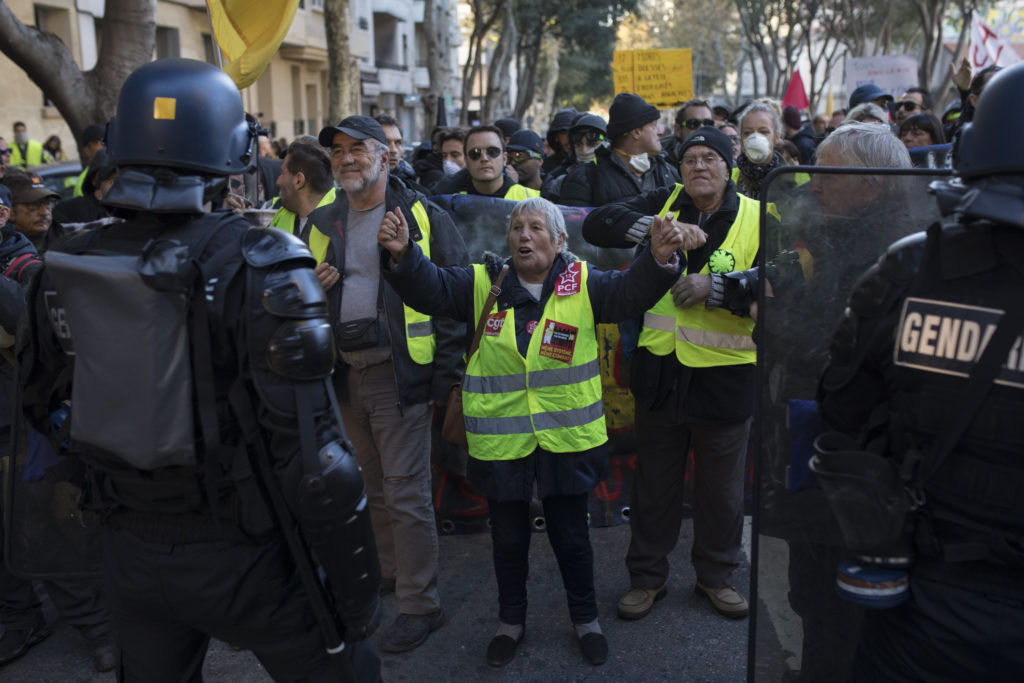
[(682, 639)]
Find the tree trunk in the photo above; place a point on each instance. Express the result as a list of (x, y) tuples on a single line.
[(482, 24), (83, 98), (341, 78), (498, 70)]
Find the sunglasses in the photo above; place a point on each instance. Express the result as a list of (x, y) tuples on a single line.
[(591, 136), (5, 150), (694, 124), (521, 155), (477, 152), (909, 105)]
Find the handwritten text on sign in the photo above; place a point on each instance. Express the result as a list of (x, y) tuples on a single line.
[(662, 77)]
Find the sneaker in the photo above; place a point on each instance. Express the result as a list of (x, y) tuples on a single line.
[(726, 600), (502, 649), (637, 602), (18, 639), (409, 631)]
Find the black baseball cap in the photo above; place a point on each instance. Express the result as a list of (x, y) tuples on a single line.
[(358, 127), (526, 141), (93, 132), (5, 196)]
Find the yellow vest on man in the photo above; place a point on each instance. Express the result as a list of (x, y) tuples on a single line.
[(419, 328), (318, 241), (552, 397), (708, 338), (516, 192), (33, 154)]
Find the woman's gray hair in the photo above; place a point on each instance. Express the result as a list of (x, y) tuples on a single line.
[(766, 105), (866, 110), (866, 145), (552, 217)]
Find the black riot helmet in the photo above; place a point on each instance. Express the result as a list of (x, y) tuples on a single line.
[(182, 114), (987, 146)]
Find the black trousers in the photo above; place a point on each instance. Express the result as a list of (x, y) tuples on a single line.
[(943, 633), (569, 535), (168, 600)]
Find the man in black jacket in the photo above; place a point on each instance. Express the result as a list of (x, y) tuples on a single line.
[(631, 166), (693, 379), (395, 361)]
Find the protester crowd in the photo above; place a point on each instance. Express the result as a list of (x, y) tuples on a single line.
[(406, 296)]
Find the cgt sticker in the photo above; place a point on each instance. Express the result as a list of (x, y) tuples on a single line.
[(559, 341), (495, 321)]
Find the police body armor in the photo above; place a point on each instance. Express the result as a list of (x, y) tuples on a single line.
[(148, 416)]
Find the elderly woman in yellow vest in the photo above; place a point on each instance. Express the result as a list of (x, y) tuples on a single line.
[(532, 395)]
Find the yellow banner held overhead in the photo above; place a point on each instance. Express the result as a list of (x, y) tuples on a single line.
[(662, 77), (249, 34)]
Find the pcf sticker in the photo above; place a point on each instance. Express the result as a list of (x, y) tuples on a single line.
[(559, 341), (569, 281)]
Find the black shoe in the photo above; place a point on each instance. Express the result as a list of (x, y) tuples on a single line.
[(18, 639), (502, 649), (409, 631), (594, 648)]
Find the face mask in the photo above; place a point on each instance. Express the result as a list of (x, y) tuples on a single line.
[(21, 138), (450, 167), (585, 155), (640, 163), (757, 148)]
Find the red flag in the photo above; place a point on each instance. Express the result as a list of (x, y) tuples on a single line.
[(795, 93)]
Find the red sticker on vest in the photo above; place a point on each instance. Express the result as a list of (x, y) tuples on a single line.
[(569, 280), (559, 341), (495, 321), (531, 326)]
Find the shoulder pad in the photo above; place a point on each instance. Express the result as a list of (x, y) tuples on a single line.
[(263, 247), (890, 277)]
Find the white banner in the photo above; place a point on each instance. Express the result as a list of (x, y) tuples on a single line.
[(988, 47), (893, 73)]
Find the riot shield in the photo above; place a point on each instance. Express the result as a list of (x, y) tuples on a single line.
[(46, 532), (828, 232)]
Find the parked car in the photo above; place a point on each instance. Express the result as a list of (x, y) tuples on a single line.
[(59, 176)]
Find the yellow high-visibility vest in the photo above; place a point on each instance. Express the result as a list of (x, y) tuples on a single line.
[(552, 397), (701, 337), (286, 220)]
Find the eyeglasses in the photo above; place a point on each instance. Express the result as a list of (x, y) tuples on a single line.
[(694, 124), (518, 156), (909, 105), (591, 136), (48, 202), (477, 152), (707, 160)]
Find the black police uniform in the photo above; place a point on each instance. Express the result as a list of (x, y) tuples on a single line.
[(914, 330), (191, 548)]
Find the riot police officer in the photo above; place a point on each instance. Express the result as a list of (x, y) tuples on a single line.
[(905, 364), (200, 406)]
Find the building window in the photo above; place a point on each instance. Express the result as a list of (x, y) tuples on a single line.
[(317, 4), (167, 42), (210, 50)]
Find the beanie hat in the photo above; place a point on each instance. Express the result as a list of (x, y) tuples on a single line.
[(709, 137), (508, 126), (791, 116), (629, 112)]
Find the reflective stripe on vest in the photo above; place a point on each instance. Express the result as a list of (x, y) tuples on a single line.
[(551, 398), (701, 337), (286, 220), (419, 328)]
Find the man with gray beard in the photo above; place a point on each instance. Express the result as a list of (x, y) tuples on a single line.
[(394, 365)]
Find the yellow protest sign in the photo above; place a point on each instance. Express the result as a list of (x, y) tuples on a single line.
[(662, 77)]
